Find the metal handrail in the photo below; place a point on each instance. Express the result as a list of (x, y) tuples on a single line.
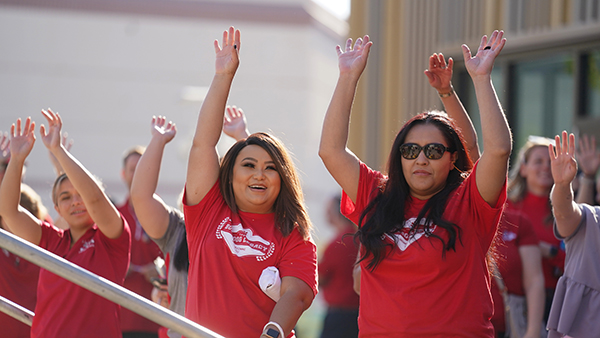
[(16, 311), (102, 287)]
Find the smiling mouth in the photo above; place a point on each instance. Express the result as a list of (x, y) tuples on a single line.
[(258, 187), (78, 212)]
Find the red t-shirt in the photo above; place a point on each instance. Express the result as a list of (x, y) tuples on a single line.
[(67, 310), (228, 253), (18, 283), (415, 291), (143, 251), (537, 210), (515, 230), (335, 272)]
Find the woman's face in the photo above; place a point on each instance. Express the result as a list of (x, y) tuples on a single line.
[(426, 177), (536, 171), (70, 206), (256, 182)]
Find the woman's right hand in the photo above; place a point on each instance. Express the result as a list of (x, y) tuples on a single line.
[(162, 130), (227, 60), (22, 139), (52, 136)]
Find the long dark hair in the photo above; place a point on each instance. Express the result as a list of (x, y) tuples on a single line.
[(384, 215), (289, 206)]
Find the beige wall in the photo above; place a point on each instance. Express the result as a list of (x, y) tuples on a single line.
[(407, 32)]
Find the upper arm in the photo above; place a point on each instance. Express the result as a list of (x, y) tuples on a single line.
[(202, 172), (153, 215), (23, 224), (344, 167), (297, 289), (491, 177), (567, 224), (107, 218)]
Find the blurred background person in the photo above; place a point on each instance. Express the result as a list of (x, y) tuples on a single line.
[(530, 182), (143, 253), (335, 276)]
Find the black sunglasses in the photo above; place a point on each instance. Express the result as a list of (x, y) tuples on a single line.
[(433, 151)]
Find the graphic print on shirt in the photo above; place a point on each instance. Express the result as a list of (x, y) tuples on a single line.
[(405, 238), (86, 245), (242, 242), (508, 236)]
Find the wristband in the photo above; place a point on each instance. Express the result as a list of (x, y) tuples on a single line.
[(448, 94), (273, 333)]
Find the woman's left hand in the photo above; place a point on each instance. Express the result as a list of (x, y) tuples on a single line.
[(52, 136), (439, 73), (562, 159), (482, 63)]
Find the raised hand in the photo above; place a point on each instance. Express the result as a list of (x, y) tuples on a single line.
[(562, 159), (483, 62), (588, 158), (22, 139), (163, 130), (439, 73), (354, 59), (234, 123), (4, 145), (227, 60), (52, 136)]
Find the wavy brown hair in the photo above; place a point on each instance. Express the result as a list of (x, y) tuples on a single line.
[(289, 207)]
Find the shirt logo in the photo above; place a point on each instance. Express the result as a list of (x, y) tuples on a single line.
[(242, 242), (86, 245), (405, 238)]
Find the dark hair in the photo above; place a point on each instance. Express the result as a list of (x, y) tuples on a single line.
[(385, 213), (289, 206)]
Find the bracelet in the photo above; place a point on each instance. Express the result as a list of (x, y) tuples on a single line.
[(448, 94), (276, 325)]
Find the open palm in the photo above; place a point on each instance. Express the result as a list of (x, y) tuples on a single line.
[(354, 58), (562, 159), (51, 136), (160, 128), (227, 60), (483, 61), (22, 139), (439, 73)]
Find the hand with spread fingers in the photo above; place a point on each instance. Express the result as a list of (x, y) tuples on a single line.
[(353, 59), (234, 123), (22, 139), (439, 73), (483, 61), (227, 60)]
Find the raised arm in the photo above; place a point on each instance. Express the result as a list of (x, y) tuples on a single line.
[(150, 209), (203, 163), (533, 285), (234, 123), (341, 163), (588, 160), (20, 221), (567, 214), (67, 144), (439, 75), (100, 208), (497, 142)]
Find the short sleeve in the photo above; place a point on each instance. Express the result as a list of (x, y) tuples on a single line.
[(370, 182), (299, 259)]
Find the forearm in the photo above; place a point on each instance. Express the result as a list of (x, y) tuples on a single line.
[(585, 193), (334, 135), (496, 134), (287, 311), (210, 118), (535, 295), (455, 109), (145, 179), (567, 214), (10, 188)]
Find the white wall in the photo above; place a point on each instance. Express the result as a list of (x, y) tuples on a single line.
[(107, 74)]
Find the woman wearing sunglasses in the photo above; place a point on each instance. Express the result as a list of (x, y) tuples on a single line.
[(426, 226)]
